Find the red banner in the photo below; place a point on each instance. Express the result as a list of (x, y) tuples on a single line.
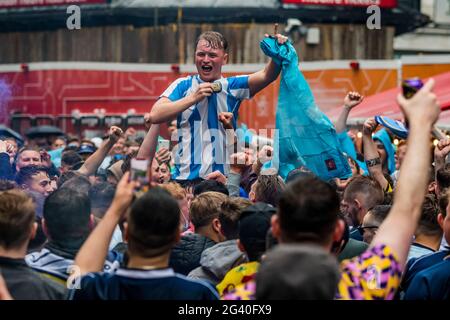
[(352, 3), (42, 3)]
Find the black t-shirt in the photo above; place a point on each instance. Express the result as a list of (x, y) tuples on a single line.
[(25, 284), (138, 284)]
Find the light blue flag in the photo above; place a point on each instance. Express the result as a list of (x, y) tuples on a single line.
[(305, 134)]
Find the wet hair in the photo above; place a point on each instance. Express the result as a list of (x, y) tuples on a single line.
[(215, 40), (25, 174)]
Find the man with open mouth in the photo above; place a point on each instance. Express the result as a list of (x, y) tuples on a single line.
[(196, 102)]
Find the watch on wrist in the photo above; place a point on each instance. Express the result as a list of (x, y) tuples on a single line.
[(373, 162)]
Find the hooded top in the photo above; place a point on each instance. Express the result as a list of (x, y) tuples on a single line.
[(217, 260), (306, 135), (384, 138)]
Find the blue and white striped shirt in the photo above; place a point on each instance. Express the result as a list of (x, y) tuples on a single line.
[(201, 137)]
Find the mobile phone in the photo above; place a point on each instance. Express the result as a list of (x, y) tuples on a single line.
[(138, 172), (163, 144), (411, 86), (216, 86)]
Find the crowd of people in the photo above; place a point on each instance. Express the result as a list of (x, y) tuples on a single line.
[(215, 221)]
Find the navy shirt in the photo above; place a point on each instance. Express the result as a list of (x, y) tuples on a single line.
[(432, 283), (416, 265), (138, 284)]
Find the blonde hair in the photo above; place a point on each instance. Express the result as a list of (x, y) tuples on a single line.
[(175, 190), (205, 207)]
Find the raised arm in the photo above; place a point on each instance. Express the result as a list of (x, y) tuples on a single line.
[(441, 152), (164, 109), (92, 163), (398, 228), (371, 155), (147, 149), (264, 155), (351, 100), (6, 171), (261, 79), (92, 254)]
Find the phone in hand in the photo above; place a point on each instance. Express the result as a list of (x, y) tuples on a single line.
[(138, 171), (163, 144), (411, 86)]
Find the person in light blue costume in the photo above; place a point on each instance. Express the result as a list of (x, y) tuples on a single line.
[(386, 150), (348, 147), (306, 137)]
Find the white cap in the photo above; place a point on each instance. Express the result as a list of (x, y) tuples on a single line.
[(97, 141)]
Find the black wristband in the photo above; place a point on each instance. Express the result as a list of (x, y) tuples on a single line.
[(373, 162)]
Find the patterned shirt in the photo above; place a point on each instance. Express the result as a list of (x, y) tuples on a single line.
[(374, 275), (237, 276), (201, 138)]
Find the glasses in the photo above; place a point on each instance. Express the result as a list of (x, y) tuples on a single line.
[(362, 229)]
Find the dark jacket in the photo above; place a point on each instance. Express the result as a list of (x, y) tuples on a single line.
[(416, 265), (6, 171), (25, 284), (186, 255), (432, 283)]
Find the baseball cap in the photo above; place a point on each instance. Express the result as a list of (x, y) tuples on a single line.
[(97, 141), (297, 271), (84, 148)]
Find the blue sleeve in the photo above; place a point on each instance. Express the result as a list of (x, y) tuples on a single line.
[(419, 289), (239, 87), (177, 89), (6, 171)]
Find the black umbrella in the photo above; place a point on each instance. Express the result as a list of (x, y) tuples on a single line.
[(43, 131), (10, 133)]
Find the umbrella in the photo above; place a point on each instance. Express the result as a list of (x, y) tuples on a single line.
[(8, 132), (43, 131)]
